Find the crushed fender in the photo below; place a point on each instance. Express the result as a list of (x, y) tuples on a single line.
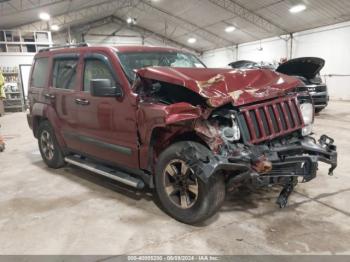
[(209, 133), (181, 112)]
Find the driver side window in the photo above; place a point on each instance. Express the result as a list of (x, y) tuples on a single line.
[(96, 69)]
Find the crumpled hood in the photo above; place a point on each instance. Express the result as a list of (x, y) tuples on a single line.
[(221, 86), (307, 67)]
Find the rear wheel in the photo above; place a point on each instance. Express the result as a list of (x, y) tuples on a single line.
[(183, 194), (49, 149)]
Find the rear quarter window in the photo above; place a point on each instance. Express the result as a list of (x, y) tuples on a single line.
[(40, 72)]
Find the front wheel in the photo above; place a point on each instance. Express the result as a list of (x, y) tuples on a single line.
[(182, 194), (49, 149), (318, 110)]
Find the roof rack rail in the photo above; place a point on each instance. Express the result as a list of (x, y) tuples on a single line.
[(63, 46)]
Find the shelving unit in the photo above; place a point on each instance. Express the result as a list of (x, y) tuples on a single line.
[(14, 101), (15, 41), (17, 44)]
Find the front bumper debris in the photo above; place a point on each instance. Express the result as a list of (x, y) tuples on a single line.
[(298, 159), (309, 152), (290, 163), (263, 165)]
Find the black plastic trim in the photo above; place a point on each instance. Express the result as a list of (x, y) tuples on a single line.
[(99, 143)]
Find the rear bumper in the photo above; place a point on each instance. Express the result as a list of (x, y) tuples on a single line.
[(298, 159)]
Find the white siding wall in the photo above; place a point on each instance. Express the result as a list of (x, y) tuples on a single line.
[(269, 50), (15, 59), (332, 43), (219, 57)]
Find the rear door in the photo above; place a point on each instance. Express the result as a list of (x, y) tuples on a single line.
[(38, 83), (107, 127), (62, 94)]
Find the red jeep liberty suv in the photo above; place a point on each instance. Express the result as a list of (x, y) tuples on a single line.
[(157, 117)]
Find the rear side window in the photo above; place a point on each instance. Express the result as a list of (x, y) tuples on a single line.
[(64, 73), (96, 69), (40, 72)]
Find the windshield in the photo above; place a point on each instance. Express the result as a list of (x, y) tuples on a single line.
[(136, 60)]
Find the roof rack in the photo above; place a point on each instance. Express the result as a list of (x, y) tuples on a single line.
[(63, 46)]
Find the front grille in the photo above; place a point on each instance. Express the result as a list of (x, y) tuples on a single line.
[(271, 119), (321, 88), (316, 88)]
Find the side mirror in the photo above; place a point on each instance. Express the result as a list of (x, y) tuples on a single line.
[(104, 88)]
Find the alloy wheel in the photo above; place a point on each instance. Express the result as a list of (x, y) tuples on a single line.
[(181, 184), (47, 145)]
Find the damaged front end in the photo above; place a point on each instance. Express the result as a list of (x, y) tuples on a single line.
[(266, 144), (261, 142)]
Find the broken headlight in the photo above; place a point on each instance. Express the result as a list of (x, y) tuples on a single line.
[(231, 133), (307, 111)]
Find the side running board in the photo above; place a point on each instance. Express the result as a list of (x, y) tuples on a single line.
[(106, 171)]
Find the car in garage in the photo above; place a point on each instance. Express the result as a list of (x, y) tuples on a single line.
[(306, 69), (157, 117)]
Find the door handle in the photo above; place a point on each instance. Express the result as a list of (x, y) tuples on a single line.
[(81, 101), (49, 96)]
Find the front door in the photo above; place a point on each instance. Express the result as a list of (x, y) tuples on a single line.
[(106, 125)]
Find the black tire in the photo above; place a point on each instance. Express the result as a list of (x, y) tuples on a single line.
[(54, 158), (318, 110), (210, 194)]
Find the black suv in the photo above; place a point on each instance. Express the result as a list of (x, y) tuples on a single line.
[(308, 70)]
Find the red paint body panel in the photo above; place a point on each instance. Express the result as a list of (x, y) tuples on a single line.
[(109, 120), (255, 84)]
